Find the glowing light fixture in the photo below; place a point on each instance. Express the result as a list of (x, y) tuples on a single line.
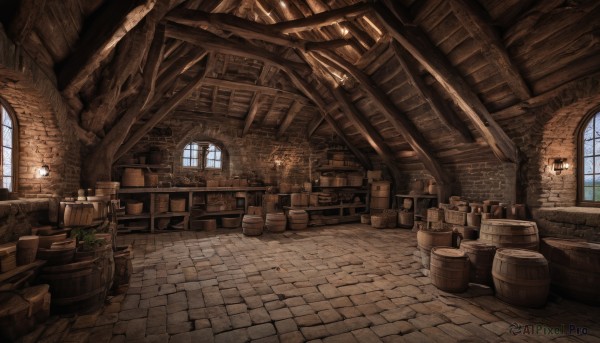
[(44, 170), (282, 4), (559, 164)]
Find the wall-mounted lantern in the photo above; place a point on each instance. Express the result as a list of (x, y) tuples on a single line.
[(44, 170), (559, 164)]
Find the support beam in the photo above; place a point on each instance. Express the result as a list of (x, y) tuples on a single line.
[(323, 19), (160, 114), (29, 12), (474, 20), (384, 105), (209, 81), (396, 21), (109, 27), (271, 108), (527, 21), (448, 118), (254, 104), (289, 118)]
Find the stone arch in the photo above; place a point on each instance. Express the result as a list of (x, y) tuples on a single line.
[(200, 133)]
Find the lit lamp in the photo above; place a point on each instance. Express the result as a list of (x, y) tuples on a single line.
[(559, 165), (44, 170)]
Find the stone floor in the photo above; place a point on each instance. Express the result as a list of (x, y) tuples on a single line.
[(346, 283)]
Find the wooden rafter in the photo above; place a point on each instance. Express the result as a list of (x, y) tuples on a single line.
[(314, 125), (381, 101), (115, 21), (397, 22), (323, 19), (289, 118), (271, 108), (448, 118), (160, 114), (474, 20), (27, 15), (254, 104), (209, 81)]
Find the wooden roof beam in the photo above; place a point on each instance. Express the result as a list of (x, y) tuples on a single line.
[(474, 20), (397, 22), (109, 27), (448, 118), (289, 118), (22, 24), (402, 124), (210, 81), (323, 19), (314, 125), (254, 104)]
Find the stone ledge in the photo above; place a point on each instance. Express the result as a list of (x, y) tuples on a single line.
[(576, 222), (9, 207)]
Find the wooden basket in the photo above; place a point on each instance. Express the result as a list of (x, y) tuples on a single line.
[(378, 221), (177, 205), (455, 217), (406, 218), (435, 214), (78, 214), (134, 207), (133, 177)]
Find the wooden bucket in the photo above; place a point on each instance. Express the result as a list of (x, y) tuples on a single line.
[(449, 269), (56, 256), (299, 199), (252, 225), (205, 224), (378, 221), (276, 222), (298, 219), (230, 223), (161, 203), (78, 215), (123, 269), (47, 241), (326, 181), (133, 177), (507, 233), (380, 203), (430, 239), (365, 219), (108, 188), (521, 277), (177, 204), (481, 258), (380, 189), (100, 209), (134, 207), (150, 180), (8, 257), (473, 219), (574, 268), (27, 247), (406, 218), (340, 181)]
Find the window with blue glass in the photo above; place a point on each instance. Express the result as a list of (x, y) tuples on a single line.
[(590, 160), (7, 148), (202, 155)]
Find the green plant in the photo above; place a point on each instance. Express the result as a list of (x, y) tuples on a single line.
[(86, 239)]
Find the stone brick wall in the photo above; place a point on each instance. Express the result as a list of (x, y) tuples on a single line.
[(252, 155), (18, 216), (45, 135)]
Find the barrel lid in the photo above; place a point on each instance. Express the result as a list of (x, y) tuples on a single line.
[(7, 248), (521, 254), (573, 244), (448, 252), (29, 238), (477, 245), (509, 222)]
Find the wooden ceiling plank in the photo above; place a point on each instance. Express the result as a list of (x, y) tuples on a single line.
[(28, 13), (209, 81), (289, 118), (322, 19), (435, 101), (473, 19), (115, 21), (254, 104), (397, 22), (402, 124)]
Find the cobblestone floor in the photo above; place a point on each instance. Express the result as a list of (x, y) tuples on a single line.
[(347, 283)]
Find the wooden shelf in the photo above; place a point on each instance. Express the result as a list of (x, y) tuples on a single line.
[(151, 166), (417, 196), (21, 269), (328, 207), (188, 189), (133, 216), (338, 168), (171, 214), (218, 213)]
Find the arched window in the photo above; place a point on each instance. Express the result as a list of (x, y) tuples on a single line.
[(589, 160), (8, 148), (202, 155)]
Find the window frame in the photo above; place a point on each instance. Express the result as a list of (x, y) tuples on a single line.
[(198, 157), (203, 147), (15, 146), (591, 115)]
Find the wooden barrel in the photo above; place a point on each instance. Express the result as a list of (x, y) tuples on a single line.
[(67, 243), (78, 215), (100, 208), (133, 177), (27, 249), (430, 239), (574, 268), (340, 180), (8, 257), (378, 221), (406, 218), (109, 188), (481, 258), (230, 223), (252, 225), (275, 222), (123, 269), (380, 203), (326, 181), (380, 189), (177, 204), (449, 269), (508, 233), (461, 232), (150, 180), (299, 199), (255, 210), (134, 207), (205, 224), (161, 203), (47, 241), (521, 277), (473, 219), (298, 219), (270, 203), (56, 256)]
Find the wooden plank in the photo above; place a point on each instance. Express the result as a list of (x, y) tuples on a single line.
[(289, 118), (322, 19), (314, 125), (436, 103), (254, 105), (235, 85), (115, 21), (28, 13), (415, 42), (475, 22)]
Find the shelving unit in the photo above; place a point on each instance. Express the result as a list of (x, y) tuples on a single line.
[(149, 194), (421, 202)]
